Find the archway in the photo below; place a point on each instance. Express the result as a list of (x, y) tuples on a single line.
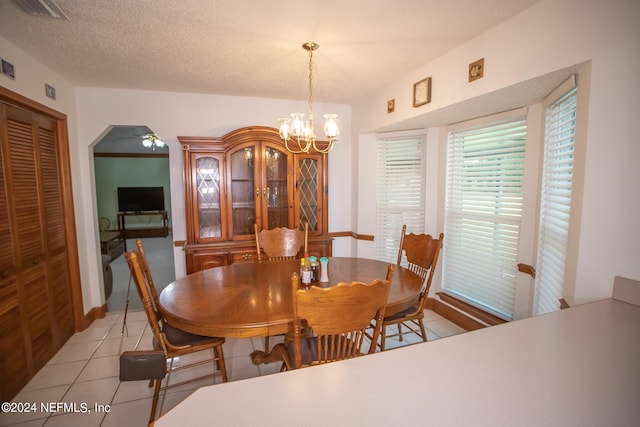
[(133, 200)]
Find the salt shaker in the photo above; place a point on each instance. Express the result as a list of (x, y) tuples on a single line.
[(305, 272), (324, 269)]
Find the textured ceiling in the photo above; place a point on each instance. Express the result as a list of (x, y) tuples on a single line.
[(249, 47)]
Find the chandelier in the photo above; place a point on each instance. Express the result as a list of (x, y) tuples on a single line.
[(300, 130), (151, 140)]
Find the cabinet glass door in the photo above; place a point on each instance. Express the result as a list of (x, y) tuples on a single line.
[(208, 191), (244, 191), (309, 193), (277, 194)]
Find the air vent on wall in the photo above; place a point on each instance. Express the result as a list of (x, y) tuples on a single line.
[(42, 8)]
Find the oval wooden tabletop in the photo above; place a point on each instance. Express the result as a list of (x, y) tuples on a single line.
[(254, 299)]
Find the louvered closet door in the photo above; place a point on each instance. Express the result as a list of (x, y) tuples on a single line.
[(13, 356), (25, 195), (54, 235), (35, 215)]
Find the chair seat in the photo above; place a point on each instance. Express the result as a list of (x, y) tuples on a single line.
[(178, 337), (413, 311)]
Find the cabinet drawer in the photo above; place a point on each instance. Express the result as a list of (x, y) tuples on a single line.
[(244, 256), (205, 261)]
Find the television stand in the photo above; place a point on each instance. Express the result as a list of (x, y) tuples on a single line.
[(138, 232)]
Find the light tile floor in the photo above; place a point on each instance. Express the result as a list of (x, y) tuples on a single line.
[(85, 372)]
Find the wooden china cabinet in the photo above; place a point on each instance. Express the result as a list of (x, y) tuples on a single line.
[(246, 177)]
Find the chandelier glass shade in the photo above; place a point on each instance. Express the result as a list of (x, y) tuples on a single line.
[(297, 132), (151, 140)]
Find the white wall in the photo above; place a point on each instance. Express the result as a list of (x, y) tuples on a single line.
[(30, 78), (551, 35)]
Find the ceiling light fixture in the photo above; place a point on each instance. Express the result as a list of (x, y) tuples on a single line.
[(151, 140), (301, 130)]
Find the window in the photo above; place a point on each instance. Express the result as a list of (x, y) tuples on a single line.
[(483, 210), (400, 192), (555, 198)]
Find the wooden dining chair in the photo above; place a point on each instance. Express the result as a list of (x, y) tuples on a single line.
[(146, 271), (421, 252), (280, 244), (172, 341), (338, 316)]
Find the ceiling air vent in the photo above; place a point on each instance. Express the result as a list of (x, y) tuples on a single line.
[(42, 8)]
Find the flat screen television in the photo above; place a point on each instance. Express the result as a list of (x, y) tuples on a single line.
[(140, 199)]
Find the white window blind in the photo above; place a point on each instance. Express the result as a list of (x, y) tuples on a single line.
[(555, 199), (400, 192), (483, 209)]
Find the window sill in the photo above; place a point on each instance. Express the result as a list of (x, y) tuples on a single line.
[(471, 317)]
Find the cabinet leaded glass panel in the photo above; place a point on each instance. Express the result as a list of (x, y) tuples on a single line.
[(308, 192), (208, 188)]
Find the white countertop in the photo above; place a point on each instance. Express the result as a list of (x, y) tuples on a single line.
[(579, 366)]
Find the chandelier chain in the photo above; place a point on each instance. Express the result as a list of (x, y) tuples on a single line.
[(311, 83)]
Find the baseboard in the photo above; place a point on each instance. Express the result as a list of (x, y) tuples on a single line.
[(93, 314), (473, 312)]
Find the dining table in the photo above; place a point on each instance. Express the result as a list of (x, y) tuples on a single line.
[(253, 299)]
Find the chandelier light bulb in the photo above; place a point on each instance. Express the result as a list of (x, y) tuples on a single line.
[(285, 128), (297, 124), (331, 125), (308, 133)]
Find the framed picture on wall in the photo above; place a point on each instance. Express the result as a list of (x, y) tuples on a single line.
[(422, 92), (50, 91), (7, 69)]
